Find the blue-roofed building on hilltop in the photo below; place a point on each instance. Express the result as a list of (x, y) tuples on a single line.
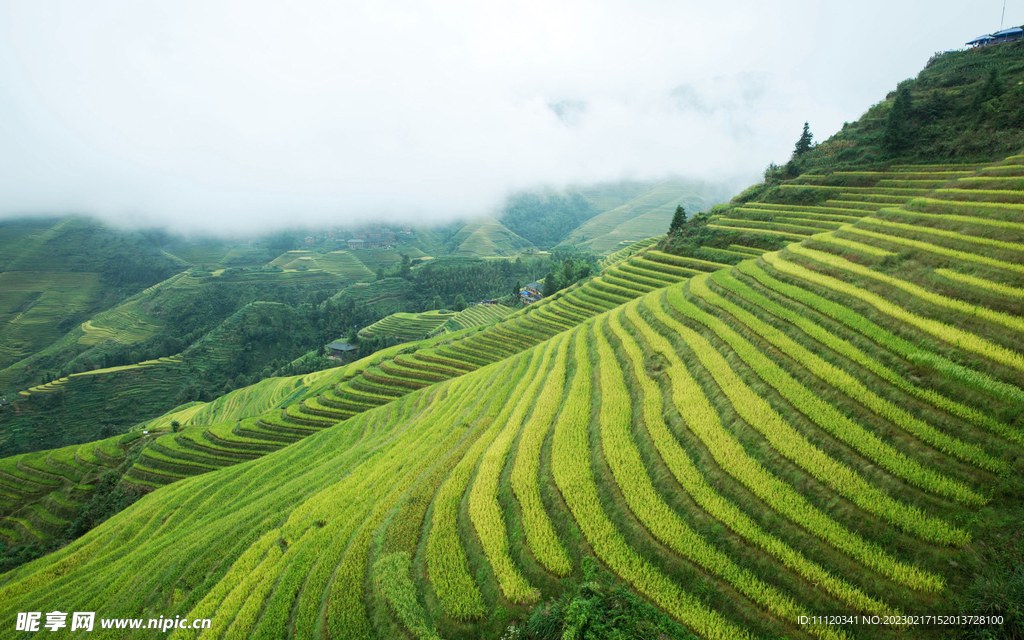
[(1000, 37)]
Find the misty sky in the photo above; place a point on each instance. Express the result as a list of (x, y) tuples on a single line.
[(224, 115)]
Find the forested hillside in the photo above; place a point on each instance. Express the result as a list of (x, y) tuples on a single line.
[(546, 219), (55, 274)]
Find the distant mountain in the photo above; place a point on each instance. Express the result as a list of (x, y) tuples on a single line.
[(647, 213), (57, 273), (486, 237), (605, 217), (546, 218)]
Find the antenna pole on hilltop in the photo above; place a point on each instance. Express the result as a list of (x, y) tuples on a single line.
[(1002, 17)]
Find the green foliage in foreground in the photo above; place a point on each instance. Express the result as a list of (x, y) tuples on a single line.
[(599, 608)]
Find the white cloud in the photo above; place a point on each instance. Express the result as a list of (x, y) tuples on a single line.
[(226, 115)]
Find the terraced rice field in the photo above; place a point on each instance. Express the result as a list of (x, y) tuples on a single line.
[(203, 255), (246, 402), (126, 323), (166, 363), (807, 432), (94, 395), (475, 316), (252, 421), (33, 304), (42, 493), (486, 237), (406, 326), (853, 195), (378, 258), (627, 251), (343, 264)]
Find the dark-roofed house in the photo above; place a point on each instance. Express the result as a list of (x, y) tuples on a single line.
[(356, 243), (531, 293), (340, 349)]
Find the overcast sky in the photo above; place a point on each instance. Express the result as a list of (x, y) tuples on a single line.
[(236, 115)]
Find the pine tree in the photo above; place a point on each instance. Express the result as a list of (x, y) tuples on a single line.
[(551, 284), (803, 145), (678, 219), (568, 272), (896, 136)]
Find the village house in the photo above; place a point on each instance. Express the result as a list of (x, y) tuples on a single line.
[(339, 349), (531, 293)]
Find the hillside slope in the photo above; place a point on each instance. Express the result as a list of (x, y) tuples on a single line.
[(486, 237), (636, 218), (55, 274), (264, 417), (828, 427)]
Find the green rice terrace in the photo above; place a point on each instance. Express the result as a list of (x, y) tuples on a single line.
[(343, 264), (475, 316), (626, 251), (820, 415), (488, 237), (407, 326)]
